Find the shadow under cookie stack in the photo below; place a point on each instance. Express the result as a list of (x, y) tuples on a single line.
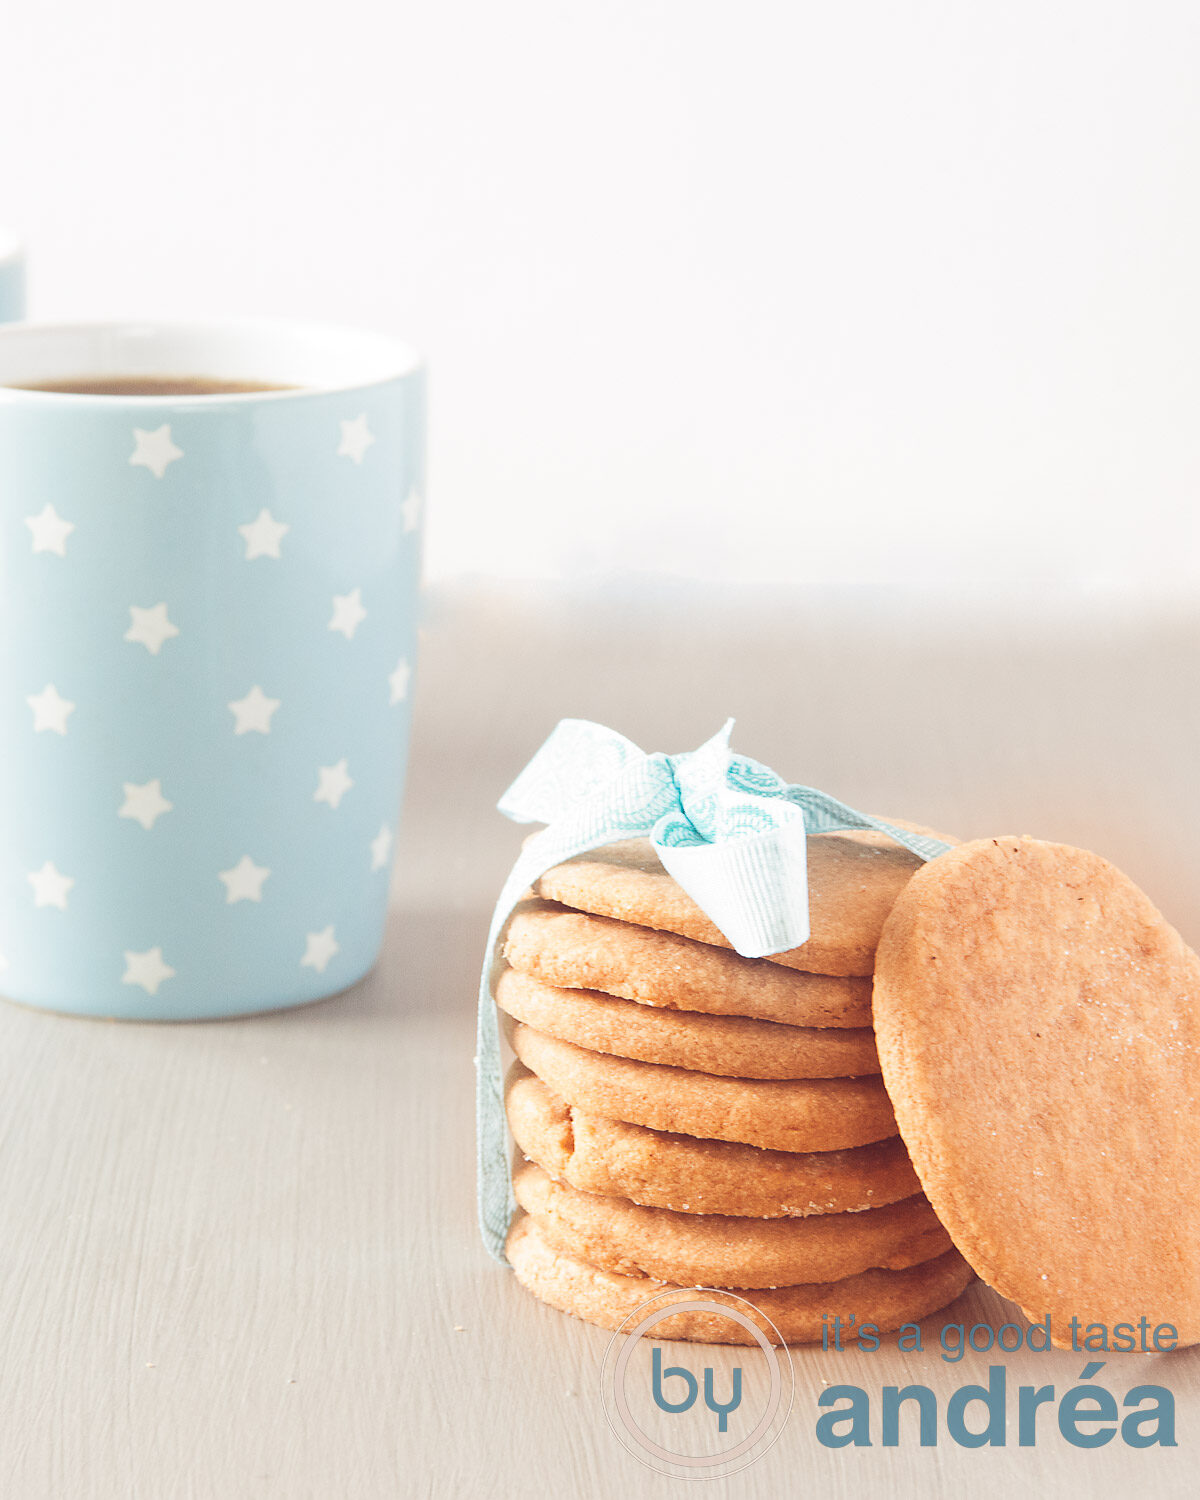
[(689, 1117)]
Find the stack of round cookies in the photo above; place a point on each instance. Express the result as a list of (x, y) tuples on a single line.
[(692, 1117)]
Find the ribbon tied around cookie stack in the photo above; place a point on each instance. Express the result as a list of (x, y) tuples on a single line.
[(728, 830)]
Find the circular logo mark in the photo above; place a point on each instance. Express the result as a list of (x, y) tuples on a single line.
[(711, 1441)]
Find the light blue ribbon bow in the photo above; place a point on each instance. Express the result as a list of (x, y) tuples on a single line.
[(726, 828)]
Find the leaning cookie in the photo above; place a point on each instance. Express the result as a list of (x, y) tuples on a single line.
[(598, 1154), (573, 950), (1060, 1146), (799, 1114), (853, 879), (887, 1299), (735, 1046), (720, 1250)]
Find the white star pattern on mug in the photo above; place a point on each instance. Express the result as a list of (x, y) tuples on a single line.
[(144, 803), (49, 531), (150, 627), (263, 535), (50, 886), (398, 680), (253, 712), (319, 948), (136, 540), (332, 783), (381, 848), (146, 969), (357, 437), (154, 450), (245, 881), (348, 613), (50, 710)]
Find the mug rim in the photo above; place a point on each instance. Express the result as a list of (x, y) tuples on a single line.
[(383, 356)]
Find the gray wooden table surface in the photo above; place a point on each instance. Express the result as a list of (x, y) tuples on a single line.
[(240, 1259)]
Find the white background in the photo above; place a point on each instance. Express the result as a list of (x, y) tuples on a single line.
[(812, 293)]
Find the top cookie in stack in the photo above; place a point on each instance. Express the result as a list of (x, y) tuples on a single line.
[(692, 1116), (853, 882)]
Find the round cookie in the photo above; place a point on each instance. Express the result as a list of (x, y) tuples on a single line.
[(1039, 1027), (853, 879), (574, 950), (735, 1046), (600, 1155), (721, 1250), (801, 1114), (888, 1299)]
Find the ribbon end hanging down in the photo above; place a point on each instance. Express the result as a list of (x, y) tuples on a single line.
[(754, 888)]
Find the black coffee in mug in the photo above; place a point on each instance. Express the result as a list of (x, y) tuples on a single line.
[(151, 385)]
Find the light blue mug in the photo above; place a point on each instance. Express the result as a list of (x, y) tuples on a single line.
[(12, 277), (208, 623)]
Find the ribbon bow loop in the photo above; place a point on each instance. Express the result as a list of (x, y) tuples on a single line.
[(577, 761)]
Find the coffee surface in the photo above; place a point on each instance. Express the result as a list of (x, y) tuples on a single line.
[(150, 385)]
